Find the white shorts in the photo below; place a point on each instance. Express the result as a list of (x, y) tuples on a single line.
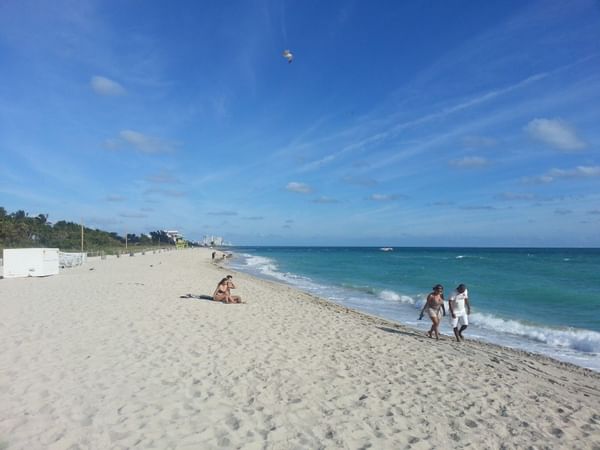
[(463, 319)]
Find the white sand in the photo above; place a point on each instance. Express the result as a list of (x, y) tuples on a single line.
[(112, 358)]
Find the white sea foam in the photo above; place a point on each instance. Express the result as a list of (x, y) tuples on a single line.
[(390, 295), (581, 340)]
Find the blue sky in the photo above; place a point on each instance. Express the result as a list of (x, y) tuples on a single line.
[(397, 123)]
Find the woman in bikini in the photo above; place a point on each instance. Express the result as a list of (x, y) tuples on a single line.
[(435, 302), (221, 293)]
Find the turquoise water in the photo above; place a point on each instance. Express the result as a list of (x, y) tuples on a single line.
[(540, 300)]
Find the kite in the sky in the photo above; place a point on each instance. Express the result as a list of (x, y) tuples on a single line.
[(288, 55)]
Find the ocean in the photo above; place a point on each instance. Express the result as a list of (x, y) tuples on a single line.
[(544, 301)]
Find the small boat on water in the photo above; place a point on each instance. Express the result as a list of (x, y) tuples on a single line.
[(387, 249)]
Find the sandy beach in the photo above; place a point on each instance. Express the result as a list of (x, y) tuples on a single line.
[(109, 356)]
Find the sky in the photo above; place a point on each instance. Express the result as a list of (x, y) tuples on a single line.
[(414, 123)]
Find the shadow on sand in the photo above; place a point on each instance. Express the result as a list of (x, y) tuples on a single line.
[(198, 297), (404, 332)]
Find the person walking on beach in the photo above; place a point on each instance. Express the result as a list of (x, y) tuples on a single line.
[(459, 310), (433, 305)]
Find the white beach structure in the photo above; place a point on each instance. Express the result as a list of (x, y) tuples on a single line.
[(71, 259), (30, 262)]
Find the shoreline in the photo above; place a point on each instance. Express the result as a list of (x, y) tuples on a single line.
[(107, 355), (406, 328), (574, 343)]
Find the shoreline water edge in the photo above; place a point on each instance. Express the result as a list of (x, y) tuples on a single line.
[(401, 302), (114, 354)]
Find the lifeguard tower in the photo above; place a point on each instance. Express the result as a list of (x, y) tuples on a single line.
[(180, 243)]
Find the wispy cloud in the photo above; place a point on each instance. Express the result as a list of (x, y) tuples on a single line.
[(383, 197), (514, 196), (141, 142), (562, 211), (325, 200), (165, 192), (478, 142), (162, 178), (222, 213), (115, 198), (101, 221), (555, 133), (477, 208), (253, 218), (556, 174), (105, 86), (469, 162), (359, 181), (301, 188), (133, 215)]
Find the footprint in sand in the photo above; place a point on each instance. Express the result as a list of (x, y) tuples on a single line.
[(471, 423)]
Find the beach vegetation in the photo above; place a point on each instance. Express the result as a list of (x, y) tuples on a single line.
[(20, 230)]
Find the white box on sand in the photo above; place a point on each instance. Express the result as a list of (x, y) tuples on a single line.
[(30, 262)]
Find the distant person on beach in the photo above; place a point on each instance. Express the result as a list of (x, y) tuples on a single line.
[(433, 305), (214, 254), (230, 286), (459, 311)]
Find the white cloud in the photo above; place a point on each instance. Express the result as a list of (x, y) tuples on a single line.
[(104, 86), (555, 133), (577, 172), (383, 197), (301, 188), (469, 162), (144, 143)]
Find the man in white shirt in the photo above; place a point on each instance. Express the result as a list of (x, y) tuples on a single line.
[(459, 311)]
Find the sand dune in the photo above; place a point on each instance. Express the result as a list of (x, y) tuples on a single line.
[(108, 356)]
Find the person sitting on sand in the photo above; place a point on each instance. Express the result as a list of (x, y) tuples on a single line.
[(221, 293), (435, 302), (458, 300), (230, 286)]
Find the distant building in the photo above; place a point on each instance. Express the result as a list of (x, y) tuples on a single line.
[(213, 241)]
